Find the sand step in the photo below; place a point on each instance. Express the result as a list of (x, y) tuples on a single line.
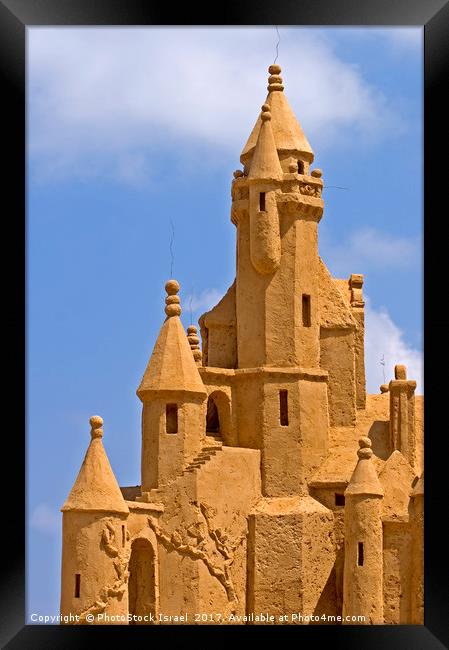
[(207, 452)]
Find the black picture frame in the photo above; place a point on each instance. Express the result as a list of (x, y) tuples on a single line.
[(15, 16)]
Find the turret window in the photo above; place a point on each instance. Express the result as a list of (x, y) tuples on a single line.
[(283, 407), (300, 167), (77, 585), (123, 536), (171, 418), (360, 555), (306, 311), (262, 202)]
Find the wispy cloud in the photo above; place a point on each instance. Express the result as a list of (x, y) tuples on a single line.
[(367, 249), (384, 339), (45, 519), (204, 300), (106, 100), (400, 41), (404, 39)]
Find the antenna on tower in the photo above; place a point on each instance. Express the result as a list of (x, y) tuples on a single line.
[(172, 255), (277, 44), (382, 363), (190, 308)]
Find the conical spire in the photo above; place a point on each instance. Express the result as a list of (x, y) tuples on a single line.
[(364, 479), (287, 132), (171, 366), (265, 161), (96, 488)]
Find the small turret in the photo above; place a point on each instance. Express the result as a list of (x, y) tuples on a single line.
[(174, 401), (264, 175), (291, 143), (402, 414), (276, 207), (363, 567), (94, 534)]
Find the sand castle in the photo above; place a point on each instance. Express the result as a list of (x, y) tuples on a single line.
[(273, 489)]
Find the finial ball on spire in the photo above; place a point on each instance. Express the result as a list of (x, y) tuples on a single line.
[(275, 69), (364, 442), (365, 450), (173, 310), (274, 80), (172, 306), (96, 422), (266, 114), (172, 287)]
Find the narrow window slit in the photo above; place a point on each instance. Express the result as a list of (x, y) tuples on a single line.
[(283, 407), (339, 499), (123, 536), (306, 311), (171, 418), (262, 202), (360, 554), (300, 167), (77, 584)]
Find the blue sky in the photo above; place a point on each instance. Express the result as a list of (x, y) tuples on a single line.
[(129, 129)]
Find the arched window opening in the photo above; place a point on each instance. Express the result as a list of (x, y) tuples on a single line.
[(141, 585), (212, 418)]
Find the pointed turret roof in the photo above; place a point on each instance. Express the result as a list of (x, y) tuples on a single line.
[(364, 479), (96, 488), (265, 161), (287, 132), (171, 366)]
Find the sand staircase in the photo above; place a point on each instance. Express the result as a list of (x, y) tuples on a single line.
[(213, 445)]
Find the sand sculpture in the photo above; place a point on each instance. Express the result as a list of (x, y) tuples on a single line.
[(273, 489)]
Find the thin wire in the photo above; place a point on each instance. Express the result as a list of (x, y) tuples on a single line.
[(172, 255), (382, 363), (337, 187), (277, 45)]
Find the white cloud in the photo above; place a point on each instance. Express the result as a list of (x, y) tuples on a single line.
[(368, 248), (383, 338), (204, 301), (102, 97), (45, 519)]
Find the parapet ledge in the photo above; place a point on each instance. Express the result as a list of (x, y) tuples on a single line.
[(211, 370), (143, 507), (325, 483), (317, 374), (287, 505), (395, 519)]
